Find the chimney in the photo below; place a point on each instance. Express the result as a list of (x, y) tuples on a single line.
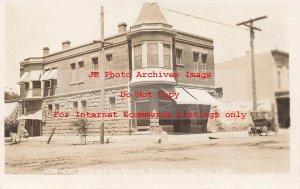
[(122, 28), (66, 45), (45, 51)]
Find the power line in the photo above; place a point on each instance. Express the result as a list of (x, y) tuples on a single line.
[(204, 19)]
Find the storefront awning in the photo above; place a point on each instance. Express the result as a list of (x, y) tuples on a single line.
[(45, 75), (24, 78), (183, 97), (34, 115), (35, 75), (202, 96), (191, 96)]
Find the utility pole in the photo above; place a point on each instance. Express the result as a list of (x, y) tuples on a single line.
[(102, 71), (102, 68), (249, 24)]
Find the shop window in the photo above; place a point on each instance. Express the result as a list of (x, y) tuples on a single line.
[(166, 106), (142, 106), (195, 120)]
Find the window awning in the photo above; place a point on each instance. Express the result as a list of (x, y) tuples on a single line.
[(53, 74), (191, 96), (24, 78), (202, 96), (34, 115), (35, 75), (45, 75)]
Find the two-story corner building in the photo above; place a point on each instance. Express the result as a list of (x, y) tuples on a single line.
[(272, 82), (144, 66)]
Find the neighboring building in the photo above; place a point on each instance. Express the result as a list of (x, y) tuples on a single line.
[(60, 82), (272, 82)]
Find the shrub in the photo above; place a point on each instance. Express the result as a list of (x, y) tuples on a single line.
[(81, 125)]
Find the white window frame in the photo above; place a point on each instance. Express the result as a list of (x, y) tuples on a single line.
[(145, 54)]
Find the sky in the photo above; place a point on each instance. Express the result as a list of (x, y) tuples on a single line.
[(33, 24)]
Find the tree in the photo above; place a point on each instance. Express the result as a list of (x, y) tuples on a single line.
[(81, 125), (11, 95)]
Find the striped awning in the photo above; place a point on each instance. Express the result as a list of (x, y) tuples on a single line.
[(24, 78), (35, 75)]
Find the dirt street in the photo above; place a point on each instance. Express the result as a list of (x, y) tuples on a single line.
[(191, 153)]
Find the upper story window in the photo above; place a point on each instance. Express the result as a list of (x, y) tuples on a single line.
[(196, 61), (179, 57), (204, 58), (195, 57), (204, 61), (54, 83), (77, 73), (152, 54), (95, 63), (26, 85), (73, 73), (36, 84), (138, 56), (73, 66), (167, 55), (109, 60), (47, 84), (80, 64), (80, 73)]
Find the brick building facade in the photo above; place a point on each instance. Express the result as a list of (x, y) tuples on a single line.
[(60, 82)]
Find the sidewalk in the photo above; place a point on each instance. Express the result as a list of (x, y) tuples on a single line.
[(172, 138)]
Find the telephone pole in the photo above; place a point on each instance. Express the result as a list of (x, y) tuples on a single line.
[(249, 24), (102, 71), (102, 68)]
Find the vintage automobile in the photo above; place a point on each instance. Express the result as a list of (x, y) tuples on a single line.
[(263, 123)]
